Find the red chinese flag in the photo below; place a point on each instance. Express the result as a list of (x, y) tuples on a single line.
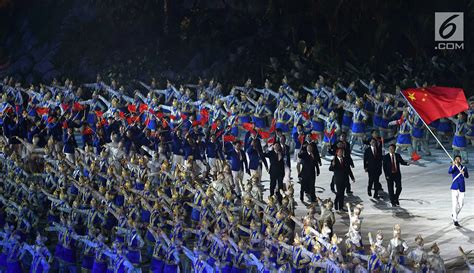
[(305, 115), (132, 108), (76, 107), (99, 113), (143, 107), (436, 102), (204, 112), (264, 134), (160, 115), (314, 136), (203, 120), (195, 123), (42, 111), (122, 115), (272, 128), (214, 126), (133, 119), (87, 131), (301, 138), (164, 123), (415, 156), (183, 116), (229, 138), (247, 126), (64, 106)]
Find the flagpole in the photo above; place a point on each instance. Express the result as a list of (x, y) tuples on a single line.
[(427, 127)]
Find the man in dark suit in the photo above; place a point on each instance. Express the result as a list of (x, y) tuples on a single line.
[(277, 169), (374, 134), (340, 165), (309, 171), (373, 166), (285, 148), (346, 148), (391, 169)]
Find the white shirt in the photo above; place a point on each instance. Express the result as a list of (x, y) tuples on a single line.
[(394, 160)]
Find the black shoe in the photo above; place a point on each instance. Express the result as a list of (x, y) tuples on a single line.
[(456, 223), (398, 203), (343, 210), (369, 192), (376, 196), (394, 205), (349, 192)]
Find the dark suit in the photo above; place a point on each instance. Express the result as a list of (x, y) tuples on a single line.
[(347, 150), (347, 155), (393, 177), (342, 172), (277, 171), (373, 166), (316, 152), (309, 171), (287, 156)]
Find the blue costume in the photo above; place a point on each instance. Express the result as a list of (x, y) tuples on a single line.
[(459, 139), (283, 119), (458, 179)]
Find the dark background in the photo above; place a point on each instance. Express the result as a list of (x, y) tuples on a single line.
[(231, 40)]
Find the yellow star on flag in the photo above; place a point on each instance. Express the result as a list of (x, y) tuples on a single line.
[(411, 96)]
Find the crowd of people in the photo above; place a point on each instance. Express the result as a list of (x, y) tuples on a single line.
[(170, 180)]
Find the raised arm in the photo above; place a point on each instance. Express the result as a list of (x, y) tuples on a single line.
[(106, 102), (189, 254)]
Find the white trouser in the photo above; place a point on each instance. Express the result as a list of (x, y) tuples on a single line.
[(286, 178), (200, 166), (213, 164), (458, 202), (237, 177), (177, 159), (71, 157), (297, 151)]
